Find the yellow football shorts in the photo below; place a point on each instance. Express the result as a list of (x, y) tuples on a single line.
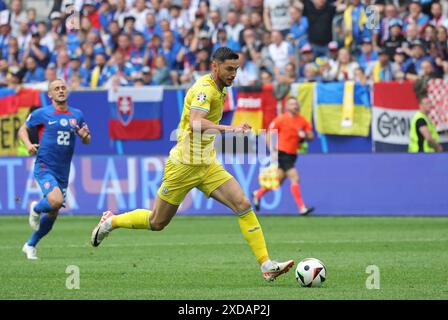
[(179, 179)]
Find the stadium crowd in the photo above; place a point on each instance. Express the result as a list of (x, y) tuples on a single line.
[(169, 42)]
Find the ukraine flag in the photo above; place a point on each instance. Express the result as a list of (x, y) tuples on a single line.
[(343, 108)]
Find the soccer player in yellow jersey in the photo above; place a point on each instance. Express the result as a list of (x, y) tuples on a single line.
[(192, 163)]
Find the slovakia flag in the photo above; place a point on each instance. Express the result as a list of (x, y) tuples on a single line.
[(135, 113)]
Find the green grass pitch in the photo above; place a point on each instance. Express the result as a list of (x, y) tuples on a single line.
[(206, 257)]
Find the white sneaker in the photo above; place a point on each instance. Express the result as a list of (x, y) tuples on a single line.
[(103, 229), (31, 252), (272, 269), (34, 217)]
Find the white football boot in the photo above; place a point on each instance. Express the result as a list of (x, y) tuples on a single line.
[(272, 269), (31, 252), (33, 217), (103, 229)]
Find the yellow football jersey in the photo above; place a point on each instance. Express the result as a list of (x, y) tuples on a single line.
[(195, 148)]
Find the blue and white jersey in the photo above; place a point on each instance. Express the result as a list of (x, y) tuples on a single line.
[(57, 135)]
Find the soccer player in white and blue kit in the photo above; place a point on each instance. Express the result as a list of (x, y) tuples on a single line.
[(57, 125)]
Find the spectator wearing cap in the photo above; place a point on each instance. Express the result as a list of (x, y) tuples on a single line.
[(367, 55), (129, 25), (382, 69), (99, 74), (275, 16), (17, 15), (411, 68), (306, 56), (266, 77), (161, 71), (320, 14), (281, 53), (90, 11), (34, 49), (247, 74), (139, 56), (224, 41), (147, 76), (355, 20), (76, 68), (416, 16), (395, 40), (139, 12), (232, 26), (57, 28), (34, 73), (299, 25), (344, 69), (438, 19)]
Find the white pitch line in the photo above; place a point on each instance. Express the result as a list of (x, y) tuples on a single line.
[(149, 244)]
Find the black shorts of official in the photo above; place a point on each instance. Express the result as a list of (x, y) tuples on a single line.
[(286, 161)]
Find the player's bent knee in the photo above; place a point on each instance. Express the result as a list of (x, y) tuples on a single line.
[(56, 204), (158, 226), (243, 204)]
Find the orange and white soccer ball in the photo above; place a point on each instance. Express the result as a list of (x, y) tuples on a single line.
[(311, 272)]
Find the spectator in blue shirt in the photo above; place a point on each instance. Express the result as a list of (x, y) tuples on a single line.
[(40, 53), (170, 49), (367, 55), (223, 41), (138, 56), (299, 26), (34, 73), (411, 67), (416, 16), (75, 68)]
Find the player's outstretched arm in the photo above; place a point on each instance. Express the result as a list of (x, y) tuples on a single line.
[(199, 123), (25, 137)]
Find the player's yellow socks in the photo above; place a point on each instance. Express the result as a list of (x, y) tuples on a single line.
[(137, 219), (251, 229)]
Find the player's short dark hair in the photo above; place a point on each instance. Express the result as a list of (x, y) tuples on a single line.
[(223, 54)]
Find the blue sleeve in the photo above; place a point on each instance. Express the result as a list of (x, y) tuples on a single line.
[(35, 118), (81, 119)]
